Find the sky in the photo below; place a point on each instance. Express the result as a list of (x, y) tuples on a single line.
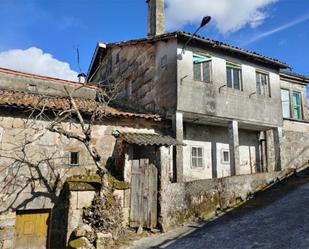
[(42, 36)]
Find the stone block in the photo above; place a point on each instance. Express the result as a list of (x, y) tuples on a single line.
[(7, 233), (7, 244), (104, 240), (81, 243), (85, 198), (7, 222)]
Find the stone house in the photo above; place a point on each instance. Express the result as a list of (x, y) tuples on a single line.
[(235, 109), (36, 210)]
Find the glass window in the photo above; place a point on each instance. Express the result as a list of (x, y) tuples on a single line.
[(262, 84), (285, 100), (233, 76), (196, 157), (202, 68), (297, 105)]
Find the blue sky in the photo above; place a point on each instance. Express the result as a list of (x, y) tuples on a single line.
[(276, 28)]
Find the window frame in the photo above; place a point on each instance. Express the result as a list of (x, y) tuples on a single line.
[(234, 66), (197, 157), (78, 158), (204, 59), (289, 102), (263, 93), (222, 156), (299, 105)]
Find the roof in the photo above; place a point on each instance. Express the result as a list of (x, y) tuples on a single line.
[(301, 79), (166, 36), (37, 76), (29, 100), (148, 139)]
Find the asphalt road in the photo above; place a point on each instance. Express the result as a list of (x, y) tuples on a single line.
[(277, 218)]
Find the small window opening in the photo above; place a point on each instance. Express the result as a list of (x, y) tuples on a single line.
[(164, 61), (117, 58), (74, 158), (32, 88), (225, 156)]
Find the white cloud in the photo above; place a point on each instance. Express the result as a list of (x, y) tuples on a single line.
[(277, 29), (228, 15), (34, 60)]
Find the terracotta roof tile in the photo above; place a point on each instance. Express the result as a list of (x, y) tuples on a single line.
[(148, 139), (213, 43), (29, 100)]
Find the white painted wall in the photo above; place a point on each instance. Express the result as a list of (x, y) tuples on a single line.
[(204, 172)]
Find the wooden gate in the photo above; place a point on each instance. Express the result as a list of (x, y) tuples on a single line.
[(144, 185), (31, 230)]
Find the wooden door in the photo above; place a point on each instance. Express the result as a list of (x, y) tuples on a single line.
[(31, 230), (144, 189)]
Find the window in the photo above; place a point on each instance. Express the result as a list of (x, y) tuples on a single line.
[(74, 158), (196, 157), (32, 88), (225, 156), (233, 76), (164, 61), (297, 105), (285, 100), (262, 84), (202, 68)]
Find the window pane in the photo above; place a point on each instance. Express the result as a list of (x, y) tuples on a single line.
[(197, 71), (200, 162), (285, 100), (229, 81), (200, 152), (194, 154), (236, 78), (206, 71), (258, 83)]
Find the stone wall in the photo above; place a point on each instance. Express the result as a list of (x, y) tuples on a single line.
[(144, 74), (35, 164), (295, 144), (186, 201), (81, 192)]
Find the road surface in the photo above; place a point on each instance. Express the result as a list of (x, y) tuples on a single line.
[(276, 218)]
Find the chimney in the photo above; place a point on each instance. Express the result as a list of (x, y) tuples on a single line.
[(82, 78), (155, 17)]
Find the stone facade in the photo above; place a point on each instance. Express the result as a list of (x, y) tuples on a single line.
[(36, 162)]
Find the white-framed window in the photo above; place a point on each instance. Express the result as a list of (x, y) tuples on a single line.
[(202, 68), (262, 84), (197, 157), (233, 76), (285, 101), (74, 158), (225, 156)]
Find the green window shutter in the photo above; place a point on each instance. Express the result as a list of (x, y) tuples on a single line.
[(297, 105), (200, 58)]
